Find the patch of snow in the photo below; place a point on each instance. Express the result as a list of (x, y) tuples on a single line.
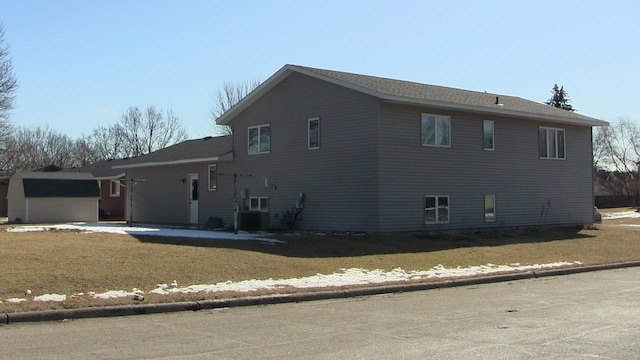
[(145, 231), (15, 300), (113, 294), (621, 214), (346, 277), (355, 276), (51, 297)]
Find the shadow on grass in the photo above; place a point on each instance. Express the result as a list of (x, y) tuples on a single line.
[(341, 245)]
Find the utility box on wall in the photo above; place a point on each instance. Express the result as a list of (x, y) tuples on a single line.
[(254, 221)]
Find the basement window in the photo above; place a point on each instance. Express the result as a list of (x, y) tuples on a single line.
[(259, 204), (436, 209)]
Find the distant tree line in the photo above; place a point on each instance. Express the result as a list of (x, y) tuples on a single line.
[(136, 133)]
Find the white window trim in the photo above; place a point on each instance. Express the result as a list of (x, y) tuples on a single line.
[(259, 127), (424, 199), (309, 133), (259, 198), (564, 138), (111, 187), (435, 129), (494, 208), (215, 188), (493, 135)]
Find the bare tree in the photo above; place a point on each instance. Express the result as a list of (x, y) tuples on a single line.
[(33, 148), (8, 86), (108, 143), (225, 97), (616, 148), (144, 132)]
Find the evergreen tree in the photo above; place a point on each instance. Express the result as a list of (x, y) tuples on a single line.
[(560, 99)]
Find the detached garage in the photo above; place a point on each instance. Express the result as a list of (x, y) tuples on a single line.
[(45, 197)]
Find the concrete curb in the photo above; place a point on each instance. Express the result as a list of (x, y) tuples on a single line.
[(139, 309)]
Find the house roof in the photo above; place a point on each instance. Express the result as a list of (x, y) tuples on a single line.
[(101, 170), (187, 152), (408, 92)]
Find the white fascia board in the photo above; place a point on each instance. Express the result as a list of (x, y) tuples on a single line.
[(225, 157), (111, 177), (496, 111)]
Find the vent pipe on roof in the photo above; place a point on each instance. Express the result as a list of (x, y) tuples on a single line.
[(498, 101)]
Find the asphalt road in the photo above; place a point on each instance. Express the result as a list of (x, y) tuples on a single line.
[(580, 316)]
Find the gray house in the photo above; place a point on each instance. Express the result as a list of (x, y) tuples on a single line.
[(342, 151)]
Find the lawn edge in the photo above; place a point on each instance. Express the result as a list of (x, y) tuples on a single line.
[(140, 309)]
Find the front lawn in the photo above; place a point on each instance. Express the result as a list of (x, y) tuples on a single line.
[(77, 264)]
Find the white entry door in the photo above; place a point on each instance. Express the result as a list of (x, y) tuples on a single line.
[(192, 193)]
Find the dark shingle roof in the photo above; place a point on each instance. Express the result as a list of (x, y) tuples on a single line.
[(60, 188), (434, 95), (190, 151), (421, 94)]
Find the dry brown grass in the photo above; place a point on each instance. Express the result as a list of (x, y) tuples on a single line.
[(64, 262)]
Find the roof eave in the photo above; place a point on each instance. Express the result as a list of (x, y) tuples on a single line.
[(224, 157), (495, 111)]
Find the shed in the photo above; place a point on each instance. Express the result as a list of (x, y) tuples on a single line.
[(41, 197)]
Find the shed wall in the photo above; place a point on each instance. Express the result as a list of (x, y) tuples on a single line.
[(51, 210)]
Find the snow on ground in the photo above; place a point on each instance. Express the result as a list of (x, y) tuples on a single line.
[(347, 277), (621, 214), (143, 231)]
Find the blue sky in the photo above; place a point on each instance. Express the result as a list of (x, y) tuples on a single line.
[(81, 64)]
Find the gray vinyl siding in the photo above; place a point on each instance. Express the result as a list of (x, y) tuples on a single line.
[(163, 197), (339, 180), (528, 190)]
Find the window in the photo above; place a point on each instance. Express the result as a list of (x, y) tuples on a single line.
[(213, 177), (259, 139), (259, 204), (551, 143), (489, 208), (436, 130), (436, 209), (487, 131), (115, 188), (314, 134)]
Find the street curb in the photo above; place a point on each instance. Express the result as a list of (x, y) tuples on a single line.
[(139, 309)]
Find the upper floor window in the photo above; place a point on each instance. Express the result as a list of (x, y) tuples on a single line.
[(259, 139), (314, 134), (551, 143), (487, 135), (436, 130), (213, 177)]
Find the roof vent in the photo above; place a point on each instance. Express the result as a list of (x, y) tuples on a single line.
[(498, 102)]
